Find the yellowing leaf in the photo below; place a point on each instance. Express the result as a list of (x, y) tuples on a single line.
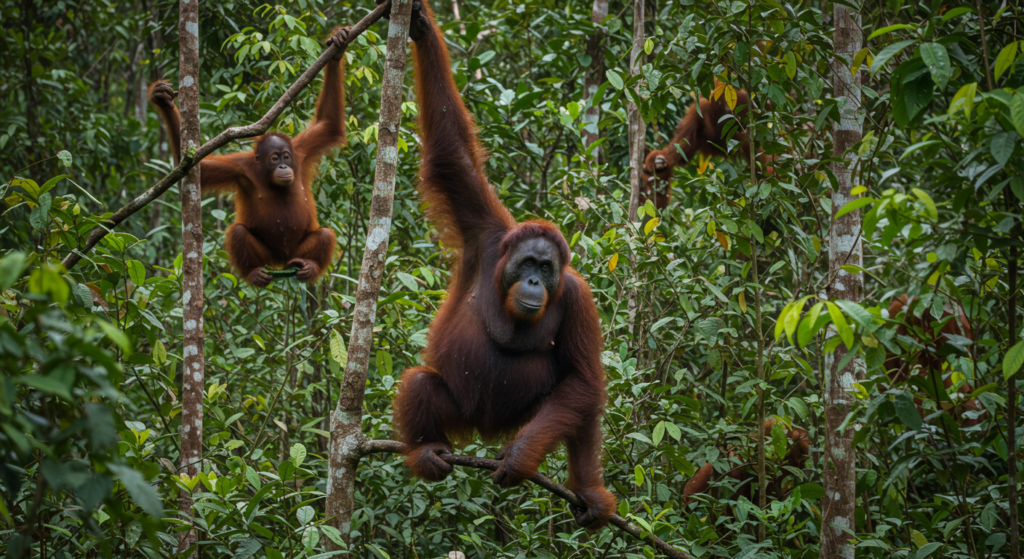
[(719, 89), (722, 239), (730, 97), (650, 225), (742, 300), (858, 59), (703, 164), (613, 262), (857, 190)]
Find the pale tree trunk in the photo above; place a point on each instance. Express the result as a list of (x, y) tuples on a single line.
[(346, 420), (839, 471), (637, 129), (637, 133), (462, 28), (192, 374), (595, 50)]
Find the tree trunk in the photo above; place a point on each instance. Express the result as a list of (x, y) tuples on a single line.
[(595, 50), (193, 366), (1011, 397), (637, 129), (346, 420), (839, 470)]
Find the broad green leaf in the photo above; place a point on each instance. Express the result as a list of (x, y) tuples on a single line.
[(854, 205), (659, 433), (137, 272), (890, 29), (298, 454), (65, 157), (923, 196), (614, 78), (141, 491), (780, 323), (845, 332), (673, 431), (887, 53), (115, 335), (247, 548), (638, 475), (790, 64), (907, 411), (1001, 146), (11, 268), (937, 60), (964, 99), (1017, 112), (1013, 360), (305, 514), (338, 351), (1005, 59)]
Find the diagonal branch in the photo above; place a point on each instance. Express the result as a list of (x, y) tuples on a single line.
[(374, 446), (234, 133)]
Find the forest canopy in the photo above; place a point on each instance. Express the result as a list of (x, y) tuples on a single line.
[(799, 223)]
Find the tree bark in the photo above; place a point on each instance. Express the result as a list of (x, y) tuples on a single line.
[(595, 50), (193, 365), (1011, 398), (346, 420), (839, 471), (637, 128)]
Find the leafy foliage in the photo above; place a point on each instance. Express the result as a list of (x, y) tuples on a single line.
[(727, 277)]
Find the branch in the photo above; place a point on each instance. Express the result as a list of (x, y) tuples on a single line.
[(373, 446), (222, 139)]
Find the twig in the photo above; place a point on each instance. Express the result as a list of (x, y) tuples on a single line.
[(373, 446), (222, 139)]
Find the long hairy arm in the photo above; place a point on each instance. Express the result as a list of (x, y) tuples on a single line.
[(460, 200)]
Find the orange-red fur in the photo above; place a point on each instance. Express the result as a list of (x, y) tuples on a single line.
[(705, 133), (274, 225), (536, 384), (926, 360)]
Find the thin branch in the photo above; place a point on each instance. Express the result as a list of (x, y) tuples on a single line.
[(395, 447), (234, 133)]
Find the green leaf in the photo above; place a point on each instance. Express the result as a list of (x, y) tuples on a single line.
[(11, 268), (40, 215), (638, 475), (907, 411), (115, 335), (48, 384), (409, 281), (673, 431), (790, 60), (51, 183), (140, 490), (936, 58), (247, 548), (1005, 59), (955, 12), (305, 514), (65, 157), (845, 332), (859, 315), (779, 441), (1017, 111), (887, 53), (854, 205), (780, 323), (811, 491), (659, 433), (890, 29), (614, 78), (137, 272), (298, 454), (923, 196), (1013, 360), (964, 99), (1002, 145), (338, 351)]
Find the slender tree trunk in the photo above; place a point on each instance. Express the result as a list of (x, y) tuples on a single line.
[(346, 420), (595, 50), (29, 86), (839, 471), (193, 366), (1011, 399), (637, 133), (637, 129)]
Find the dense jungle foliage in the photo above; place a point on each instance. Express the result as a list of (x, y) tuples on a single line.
[(731, 271)]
